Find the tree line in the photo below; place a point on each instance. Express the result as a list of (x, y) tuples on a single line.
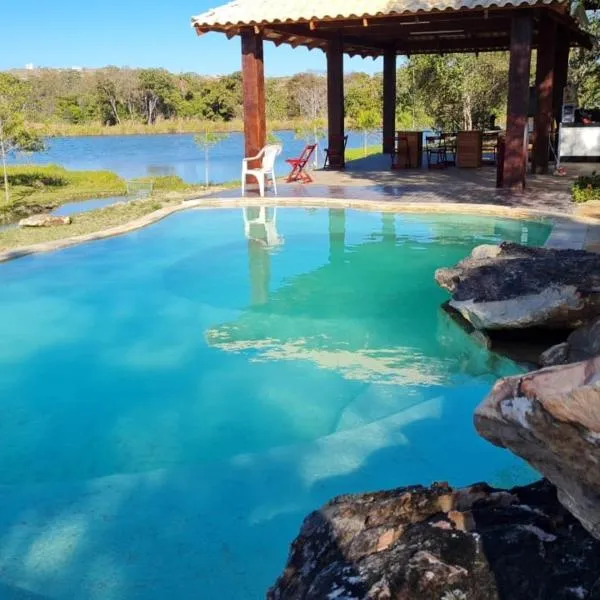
[(454, 91)]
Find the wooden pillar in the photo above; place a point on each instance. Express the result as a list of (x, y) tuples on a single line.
[(544, 82), (335, 102), (561, 71), (515, 161), (253, 81), (389, 101)]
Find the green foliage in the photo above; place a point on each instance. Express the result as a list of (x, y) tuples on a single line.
[(165, 183), (584, 68), (367, 119), (458, 91), (363, 93), (586, 188), (52, 185), (206, 140)]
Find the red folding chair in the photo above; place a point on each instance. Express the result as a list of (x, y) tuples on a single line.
[(298, 173)]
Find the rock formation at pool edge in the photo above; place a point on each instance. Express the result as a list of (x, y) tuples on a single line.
[(517, 287), (441, 544)]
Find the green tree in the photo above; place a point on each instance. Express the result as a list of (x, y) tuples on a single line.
[(461, 91), (206, 140), (367, 121), (14, 133), (362, 92), (584, 68), (158, 94)]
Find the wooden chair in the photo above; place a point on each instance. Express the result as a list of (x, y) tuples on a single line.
[(449, 140), (489, 146), (267, 169), (298, 164), (328, 152), (435, 147)]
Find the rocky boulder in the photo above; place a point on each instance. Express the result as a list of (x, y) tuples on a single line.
[(582, 344), (517, 287), (44, 221), (442, 544), (551, 418)]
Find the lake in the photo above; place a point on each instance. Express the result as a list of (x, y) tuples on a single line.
[(133, 156)]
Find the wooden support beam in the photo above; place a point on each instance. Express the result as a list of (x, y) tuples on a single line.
[(561, 71), (515, 161), (544, 82), (253, 81), (335, 102), (389, 101)]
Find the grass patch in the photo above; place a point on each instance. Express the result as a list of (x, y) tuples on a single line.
[(358, 153), (586, 188), (92, 221), (36, 188)]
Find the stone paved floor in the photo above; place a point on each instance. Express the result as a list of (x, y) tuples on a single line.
[(372, 179)]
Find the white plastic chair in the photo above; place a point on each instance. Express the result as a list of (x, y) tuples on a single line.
[(268, 154)]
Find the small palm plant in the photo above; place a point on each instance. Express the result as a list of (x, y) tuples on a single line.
[(206, 140)]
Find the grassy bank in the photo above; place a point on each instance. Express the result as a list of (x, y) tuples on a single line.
[(35, 189), (358, 153), (58, 129), (92, 221)]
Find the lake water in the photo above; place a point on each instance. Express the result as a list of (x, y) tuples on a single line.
[(154, 155), (174, 401)]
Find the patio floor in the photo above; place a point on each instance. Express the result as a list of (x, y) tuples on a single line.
[(372, 179)]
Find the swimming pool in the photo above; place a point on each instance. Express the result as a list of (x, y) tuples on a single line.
[(174, 401)]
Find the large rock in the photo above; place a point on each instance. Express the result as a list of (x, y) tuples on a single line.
[(439, 544), (44, 221), (520, 287), (551, 418), (582, 344)]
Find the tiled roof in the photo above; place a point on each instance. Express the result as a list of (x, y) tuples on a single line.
[(257, 12)]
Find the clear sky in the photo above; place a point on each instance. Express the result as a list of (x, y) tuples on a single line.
[(135, 33)]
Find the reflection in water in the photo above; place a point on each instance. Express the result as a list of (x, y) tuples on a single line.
[(260, 229), (338, 315), (337, 234)]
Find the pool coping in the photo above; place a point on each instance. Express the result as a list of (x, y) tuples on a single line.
[(569, 231)]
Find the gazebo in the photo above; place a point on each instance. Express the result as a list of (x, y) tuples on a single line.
[(388, 28)]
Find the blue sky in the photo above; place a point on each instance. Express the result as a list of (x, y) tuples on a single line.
[(135, 33)]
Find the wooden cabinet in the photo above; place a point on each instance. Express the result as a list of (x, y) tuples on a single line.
[(411, 143), (468, 149)]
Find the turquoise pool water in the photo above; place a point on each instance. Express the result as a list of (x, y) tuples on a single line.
[(174, 401)]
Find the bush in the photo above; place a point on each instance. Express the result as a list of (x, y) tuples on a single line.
[(586, 188)]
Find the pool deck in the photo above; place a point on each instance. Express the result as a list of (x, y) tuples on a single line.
[(370, 183)]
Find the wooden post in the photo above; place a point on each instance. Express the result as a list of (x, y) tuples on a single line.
[(253, 80), (389, 101), (335, 102), (515, 167), (561, 70), (544, 82)]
